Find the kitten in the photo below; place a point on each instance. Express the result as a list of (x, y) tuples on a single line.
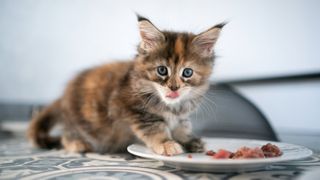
[(148, 99)]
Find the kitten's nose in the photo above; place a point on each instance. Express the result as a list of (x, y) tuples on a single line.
[(174, 87)]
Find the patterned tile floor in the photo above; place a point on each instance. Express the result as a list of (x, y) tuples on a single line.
[(18, 160)]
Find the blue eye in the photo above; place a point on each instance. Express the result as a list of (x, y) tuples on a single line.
[(162, 70), (187, 72)]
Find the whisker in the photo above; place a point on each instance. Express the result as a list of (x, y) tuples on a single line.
[(205, 107)]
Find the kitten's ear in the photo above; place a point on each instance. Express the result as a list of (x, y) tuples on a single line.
[(205, 41), (151, 36)]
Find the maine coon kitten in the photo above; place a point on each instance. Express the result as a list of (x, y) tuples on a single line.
[(148, 99)]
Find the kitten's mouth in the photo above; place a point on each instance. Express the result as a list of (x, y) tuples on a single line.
[(173, 94)]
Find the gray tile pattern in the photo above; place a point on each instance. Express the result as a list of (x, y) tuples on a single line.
[(18, 160)]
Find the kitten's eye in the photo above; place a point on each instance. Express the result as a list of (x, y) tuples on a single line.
[(187, 72), (162, 70)]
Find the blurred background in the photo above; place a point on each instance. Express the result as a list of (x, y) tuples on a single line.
[(269, 50)]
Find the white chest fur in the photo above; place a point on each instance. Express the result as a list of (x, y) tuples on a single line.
[(172, 120)]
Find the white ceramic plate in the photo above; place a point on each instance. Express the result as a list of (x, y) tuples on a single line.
[(202, 162)]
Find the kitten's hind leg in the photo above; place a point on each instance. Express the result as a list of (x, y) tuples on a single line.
[(75, 145)]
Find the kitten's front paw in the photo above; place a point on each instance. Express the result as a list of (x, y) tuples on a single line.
[(195, 145), (168, 148)]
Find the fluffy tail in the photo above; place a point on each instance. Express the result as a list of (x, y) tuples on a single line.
[(42, 123)]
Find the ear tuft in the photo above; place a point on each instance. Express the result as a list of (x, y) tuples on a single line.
[(141, 18), (221, 25), (204, 42)]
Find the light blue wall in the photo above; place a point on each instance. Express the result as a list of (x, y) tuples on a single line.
[(44, 43)]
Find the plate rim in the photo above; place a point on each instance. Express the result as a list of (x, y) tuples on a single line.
[(226, 162)]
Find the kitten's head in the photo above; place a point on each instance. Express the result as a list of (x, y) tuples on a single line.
[(176, 65)]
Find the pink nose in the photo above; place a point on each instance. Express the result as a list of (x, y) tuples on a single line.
[(173, 94)]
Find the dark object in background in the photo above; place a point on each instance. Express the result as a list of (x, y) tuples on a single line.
[(4, 134), (15, 112), (12, 112), (226, 113)]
